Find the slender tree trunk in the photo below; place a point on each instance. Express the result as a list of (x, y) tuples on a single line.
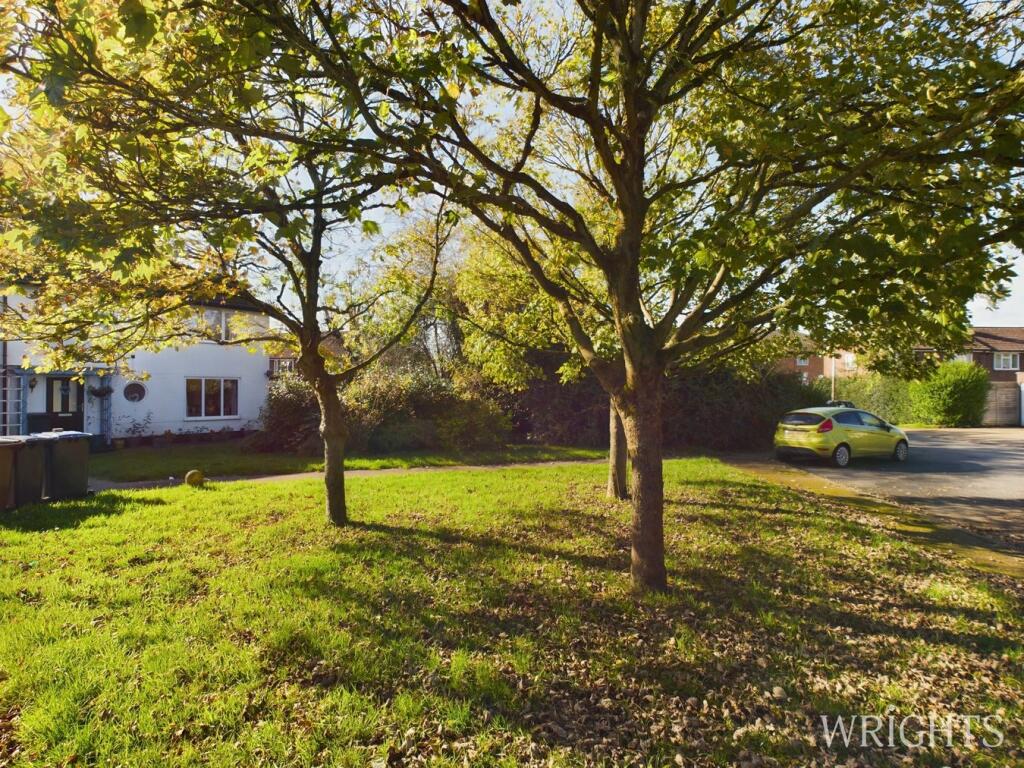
[(334, 432), (616, 454), (640, 407)]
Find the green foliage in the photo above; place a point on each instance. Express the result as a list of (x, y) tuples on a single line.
[(954, 396), (885, 396), (724, 411), (721, 410), (388, 411), (413, 410)]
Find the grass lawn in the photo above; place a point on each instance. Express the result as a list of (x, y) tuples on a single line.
[(228, 459), (485, 618)]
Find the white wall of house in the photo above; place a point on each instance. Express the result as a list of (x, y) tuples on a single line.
[(200, 387), (165, 407)]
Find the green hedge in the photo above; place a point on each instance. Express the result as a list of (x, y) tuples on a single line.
[(954, 396), (885, 396)]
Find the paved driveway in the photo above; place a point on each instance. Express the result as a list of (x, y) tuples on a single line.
[(973, 478)]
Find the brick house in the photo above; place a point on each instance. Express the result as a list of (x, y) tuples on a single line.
[(1000, 351), (809, 365)]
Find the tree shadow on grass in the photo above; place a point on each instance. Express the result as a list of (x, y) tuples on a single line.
[(47, 516), (609, 675)]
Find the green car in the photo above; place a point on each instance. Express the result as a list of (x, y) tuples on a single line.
[(838, 434)]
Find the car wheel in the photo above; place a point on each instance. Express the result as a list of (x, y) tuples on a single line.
[(902, 451), (841, 455)]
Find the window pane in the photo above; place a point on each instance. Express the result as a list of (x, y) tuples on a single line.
[(211, 397), (871, 420), (213, 319), (802, 419), (851, 418), (193, 397), (230, 397)]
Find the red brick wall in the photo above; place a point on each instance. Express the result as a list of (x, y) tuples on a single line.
[(986, 361)]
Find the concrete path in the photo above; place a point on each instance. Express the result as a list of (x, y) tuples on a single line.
[(99, 484)]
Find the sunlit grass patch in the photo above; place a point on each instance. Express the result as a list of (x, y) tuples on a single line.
[(481, 617)]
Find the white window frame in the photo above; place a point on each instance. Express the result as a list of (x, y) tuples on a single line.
[(202, 401), (849, 361), (999, 359), (279, 365), (964, 357), (803, 362), (222, 322)]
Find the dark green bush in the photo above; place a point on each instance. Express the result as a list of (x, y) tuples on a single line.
[(473, 422), (953, 396), (719, 410), (290, 417), (722, 411)]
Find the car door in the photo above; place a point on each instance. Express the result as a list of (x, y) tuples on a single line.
[(878, 437), (853, 431)]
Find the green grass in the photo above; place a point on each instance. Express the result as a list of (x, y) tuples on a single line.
[(483, 618), (229, 459)]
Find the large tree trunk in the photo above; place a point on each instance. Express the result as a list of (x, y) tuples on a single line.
[(333, 430), (640, 408), (616, 454)]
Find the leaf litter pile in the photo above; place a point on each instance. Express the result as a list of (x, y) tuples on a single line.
[(485, 618)]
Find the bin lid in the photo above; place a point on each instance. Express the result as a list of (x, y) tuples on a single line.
[(61, 434), (9, 442), (23, 439)]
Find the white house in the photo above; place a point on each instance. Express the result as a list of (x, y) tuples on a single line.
[(201, 387)]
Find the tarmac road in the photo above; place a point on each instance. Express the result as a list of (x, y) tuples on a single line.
[(972, 478)]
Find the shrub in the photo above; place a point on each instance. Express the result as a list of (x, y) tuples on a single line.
[(722, 411), (290, 417), (953, 396), (387, 411), (473, 423), (718, 410), (885, 396)]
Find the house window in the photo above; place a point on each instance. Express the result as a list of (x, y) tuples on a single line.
[(850, 361), (803, 361), (216, 325), (965, 357), (211, 398), (1006, 361), (279, 365)]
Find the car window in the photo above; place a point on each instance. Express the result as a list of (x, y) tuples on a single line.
[(798, 419), (871, 420), (850, 418)]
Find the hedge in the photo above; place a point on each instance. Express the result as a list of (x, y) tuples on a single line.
[(954, 396)]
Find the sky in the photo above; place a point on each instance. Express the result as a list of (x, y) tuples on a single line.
[(1010, 311)]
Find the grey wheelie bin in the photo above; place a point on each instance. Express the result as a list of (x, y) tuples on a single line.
[(67, 464), (29, 470), (8, 450)]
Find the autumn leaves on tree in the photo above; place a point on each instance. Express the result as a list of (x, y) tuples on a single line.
[(678, 179)]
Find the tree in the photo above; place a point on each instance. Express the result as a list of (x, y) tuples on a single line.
[(141, 180), (669, 148), (506, 320), (838, 166)]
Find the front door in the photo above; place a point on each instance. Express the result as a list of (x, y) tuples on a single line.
[(64, 403)]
